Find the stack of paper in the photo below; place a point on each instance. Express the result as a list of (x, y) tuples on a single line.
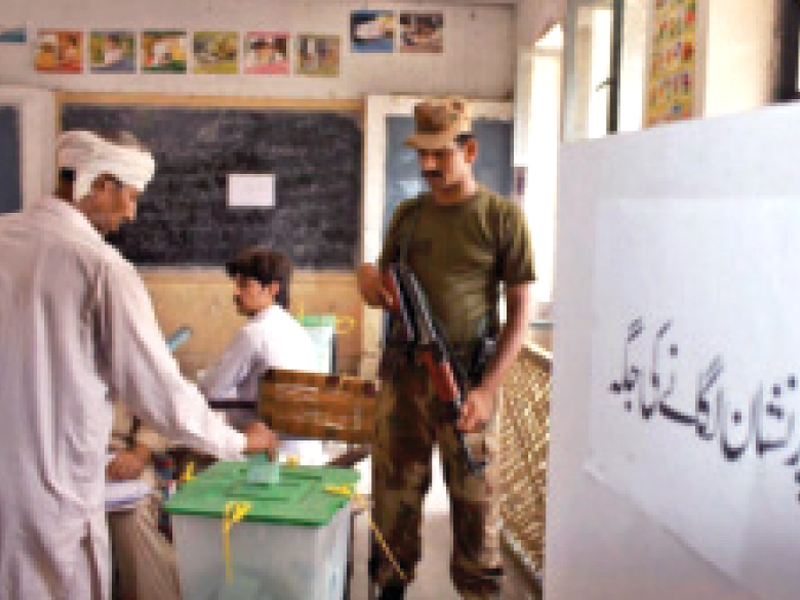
[(123, 495)]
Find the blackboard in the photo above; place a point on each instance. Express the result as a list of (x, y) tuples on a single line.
[(10, 183), (493, 165), (183, 216)]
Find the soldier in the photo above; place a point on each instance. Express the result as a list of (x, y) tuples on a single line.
[(462, 242)]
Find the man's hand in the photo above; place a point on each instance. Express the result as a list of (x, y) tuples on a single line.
[(261, 438), (479, 406), (370, 285), (128, 464), (476, 411)]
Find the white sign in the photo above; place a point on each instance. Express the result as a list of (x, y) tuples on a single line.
[(251, 191), (696, 377)]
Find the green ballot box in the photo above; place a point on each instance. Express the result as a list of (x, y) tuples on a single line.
[(237, 537)]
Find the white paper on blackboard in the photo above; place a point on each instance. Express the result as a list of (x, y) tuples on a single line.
[(251, 191)]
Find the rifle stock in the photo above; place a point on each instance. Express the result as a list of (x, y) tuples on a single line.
[(411, 306), (443, 379)]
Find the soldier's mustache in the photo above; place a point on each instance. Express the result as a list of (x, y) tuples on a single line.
[(432, 173)]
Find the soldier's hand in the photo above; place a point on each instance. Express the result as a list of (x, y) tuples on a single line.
[(370, 285), (476, 411), (261, 438)]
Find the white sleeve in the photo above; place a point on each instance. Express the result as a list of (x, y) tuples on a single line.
[(141, 369), (222, 379)]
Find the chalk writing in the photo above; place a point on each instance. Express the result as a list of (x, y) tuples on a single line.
[(763, 422)]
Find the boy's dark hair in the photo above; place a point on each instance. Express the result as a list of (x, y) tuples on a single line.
[(265, 266)]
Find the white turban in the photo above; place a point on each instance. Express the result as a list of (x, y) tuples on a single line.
[(89, 156)]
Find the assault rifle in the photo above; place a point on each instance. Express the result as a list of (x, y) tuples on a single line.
[(418, 330)]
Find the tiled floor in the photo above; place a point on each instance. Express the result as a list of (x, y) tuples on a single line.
[(433, 576)]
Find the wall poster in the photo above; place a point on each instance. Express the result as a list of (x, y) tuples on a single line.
[(112, 51), (216, 52), (318, 55), (672, 77), (59, 51), (164, 51), (372, 31), (266, 53), (421, 32)]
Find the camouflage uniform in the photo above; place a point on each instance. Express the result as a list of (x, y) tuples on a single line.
[(459, 254)]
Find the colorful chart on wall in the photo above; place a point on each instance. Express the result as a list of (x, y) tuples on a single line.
[(164, 51), (318, 55), (59, 51), (112, 51), (421, 32), (672, 80), (216, 52), (372, 31), (266, 53)]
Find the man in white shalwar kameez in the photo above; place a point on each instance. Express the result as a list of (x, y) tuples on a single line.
[(77, 327)]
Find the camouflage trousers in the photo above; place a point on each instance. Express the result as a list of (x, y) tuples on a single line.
[(410, 419)]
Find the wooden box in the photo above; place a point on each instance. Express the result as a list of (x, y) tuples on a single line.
[(318, 406)]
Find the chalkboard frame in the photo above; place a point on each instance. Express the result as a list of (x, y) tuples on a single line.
[(348, 107)]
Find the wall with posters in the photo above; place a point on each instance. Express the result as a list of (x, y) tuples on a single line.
[(477, 57)]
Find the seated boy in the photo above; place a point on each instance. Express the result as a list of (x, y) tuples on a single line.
[(271, 338)]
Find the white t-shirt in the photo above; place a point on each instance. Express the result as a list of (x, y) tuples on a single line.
[(271, 339)]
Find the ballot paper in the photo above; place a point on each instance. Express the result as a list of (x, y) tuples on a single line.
[(124, 495)]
